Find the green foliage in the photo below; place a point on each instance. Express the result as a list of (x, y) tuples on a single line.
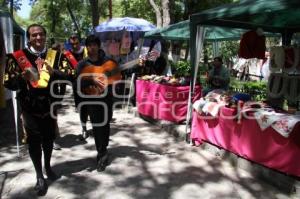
[(227, 49), (257, 89), (194, 6), (181, 68), (136, 8), (55, 17), (22, 22), (53, 14)]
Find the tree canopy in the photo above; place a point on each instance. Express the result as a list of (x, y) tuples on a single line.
[(64, 17)]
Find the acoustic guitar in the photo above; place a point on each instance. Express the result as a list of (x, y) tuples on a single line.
[(108, 73)]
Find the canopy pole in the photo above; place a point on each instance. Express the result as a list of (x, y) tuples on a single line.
[(15, 106), (196, 49), (131, 91)]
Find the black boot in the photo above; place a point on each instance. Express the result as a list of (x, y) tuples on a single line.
[(102, 162), (41, 187)]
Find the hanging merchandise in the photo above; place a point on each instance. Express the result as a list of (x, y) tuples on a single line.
[(252, 44), (291, 59), (292, 91), (113, 48), (276, 85), (276, 58), (125, 43), (298, 65)]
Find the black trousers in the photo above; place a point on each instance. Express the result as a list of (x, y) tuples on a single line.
[(39, 128), (100, 113), (83, 114), (40, 131)]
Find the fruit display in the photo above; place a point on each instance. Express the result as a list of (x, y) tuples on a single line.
[(167, 80)]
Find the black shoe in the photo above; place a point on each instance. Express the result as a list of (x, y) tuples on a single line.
[(51, 175), (102, 163), (41, 187)]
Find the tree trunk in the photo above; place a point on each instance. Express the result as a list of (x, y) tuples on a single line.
[(157, 13), (74, 20), (166, 13), (95, 12), (110, 9), (172, 11)]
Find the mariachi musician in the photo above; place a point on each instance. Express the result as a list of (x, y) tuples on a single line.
[(96, 95), (73, 56), (31, 71)]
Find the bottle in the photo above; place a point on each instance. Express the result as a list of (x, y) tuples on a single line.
[(285, 105)]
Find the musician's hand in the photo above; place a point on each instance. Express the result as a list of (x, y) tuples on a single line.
[(48, 67), (142, 62), (100, 83), (27, 75)]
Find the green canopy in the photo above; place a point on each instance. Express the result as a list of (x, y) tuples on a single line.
[(281, 16), (178, 31), (270, 15), (181, 31)]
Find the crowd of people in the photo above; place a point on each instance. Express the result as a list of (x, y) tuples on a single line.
[(36, 72), (32, 70)]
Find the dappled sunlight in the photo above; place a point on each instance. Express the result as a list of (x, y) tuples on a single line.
[(144, 162)]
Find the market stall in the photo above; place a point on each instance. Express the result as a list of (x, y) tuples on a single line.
[(163, 101), (273, 139), (156, 105), (181, 32)]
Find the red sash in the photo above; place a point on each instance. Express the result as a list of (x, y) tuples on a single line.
[(22, 60), (24, 63), (71, 59), (43, 73)]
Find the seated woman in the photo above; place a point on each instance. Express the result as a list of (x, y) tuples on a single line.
[(218, 77)]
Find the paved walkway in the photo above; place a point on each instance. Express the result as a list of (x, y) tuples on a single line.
[(145, 163)]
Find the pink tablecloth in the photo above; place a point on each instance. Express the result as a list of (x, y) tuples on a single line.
[(246, 139), (163, 102)]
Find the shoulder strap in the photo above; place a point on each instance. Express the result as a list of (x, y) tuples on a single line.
[(85, 52)]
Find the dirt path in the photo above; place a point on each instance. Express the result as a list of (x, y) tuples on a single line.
[(145, 163)]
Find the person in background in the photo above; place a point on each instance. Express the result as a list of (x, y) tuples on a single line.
[(156, 61), (59, 89), (98, 106), (31, 71), (161, 64), (79, 52), (218, 77)]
